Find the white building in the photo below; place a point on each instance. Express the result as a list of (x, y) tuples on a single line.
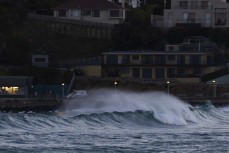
[(201, 13), (101, 11)]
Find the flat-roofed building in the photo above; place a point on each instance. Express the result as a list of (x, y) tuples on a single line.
[(185, 62)]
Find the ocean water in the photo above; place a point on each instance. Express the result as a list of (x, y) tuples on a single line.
[(119, 122)]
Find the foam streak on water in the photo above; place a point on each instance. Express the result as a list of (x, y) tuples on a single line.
[(118, 122)]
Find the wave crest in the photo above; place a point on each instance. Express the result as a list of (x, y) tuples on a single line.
[(166, 108)]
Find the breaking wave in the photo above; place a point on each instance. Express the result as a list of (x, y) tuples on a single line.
[(164, 108), (118, 110)]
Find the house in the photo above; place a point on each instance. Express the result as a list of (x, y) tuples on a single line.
[(101, 11), (131, 3), (199, 13), (40, 60), (15, 86), (185, 62)]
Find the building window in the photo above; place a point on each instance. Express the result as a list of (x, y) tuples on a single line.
[(115, 13), (62, 13), (12, 91), (183, 4), (112, 59), (204, 4), (147, 59), (181, 60), (126, 59), (96, 13), (171, 57), (136, 73), (194, 60), (171, 73), (171, 48), (147, 73), (194, 4), (189, 17), (224, 1), (75, 13), (160, 73), (170, 18), (125, 70), (87, 13), (208, 19), (181, 72), (220, 16), (40, 60), (135, 57), (160, 59), (113, 72)]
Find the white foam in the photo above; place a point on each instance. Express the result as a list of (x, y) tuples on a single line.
[(166, 108)]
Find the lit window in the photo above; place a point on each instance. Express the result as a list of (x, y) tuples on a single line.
[(12, 91), (75, 13)]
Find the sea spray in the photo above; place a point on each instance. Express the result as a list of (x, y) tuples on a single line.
[(117, 131), (165, 108)]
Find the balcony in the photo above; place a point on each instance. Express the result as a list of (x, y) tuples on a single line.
[(189, 20), (221, 22), (192, 7)]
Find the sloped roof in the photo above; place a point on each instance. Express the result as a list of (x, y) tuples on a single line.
[(15, 81), (88, 4)]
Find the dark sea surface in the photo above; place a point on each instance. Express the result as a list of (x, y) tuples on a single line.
[(119, 122)]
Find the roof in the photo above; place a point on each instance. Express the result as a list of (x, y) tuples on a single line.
[(87, 4), (15, 81)]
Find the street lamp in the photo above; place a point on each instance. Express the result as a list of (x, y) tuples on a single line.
[(62, 91), (214, 88), (115, 84), (168, 85)]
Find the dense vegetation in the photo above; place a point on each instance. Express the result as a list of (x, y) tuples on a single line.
[(23, 39)]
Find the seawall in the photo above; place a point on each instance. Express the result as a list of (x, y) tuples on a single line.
[(29, 104)]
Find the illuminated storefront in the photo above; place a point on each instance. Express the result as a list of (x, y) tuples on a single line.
[(11, 86), (12, 91)]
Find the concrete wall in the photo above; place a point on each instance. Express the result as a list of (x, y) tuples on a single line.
[(222, 80), (91, 71), (188, 80), (211, 69)]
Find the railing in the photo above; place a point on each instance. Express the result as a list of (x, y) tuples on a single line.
[(67, 20), (190, 20), (80, 62), (193, 7)]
